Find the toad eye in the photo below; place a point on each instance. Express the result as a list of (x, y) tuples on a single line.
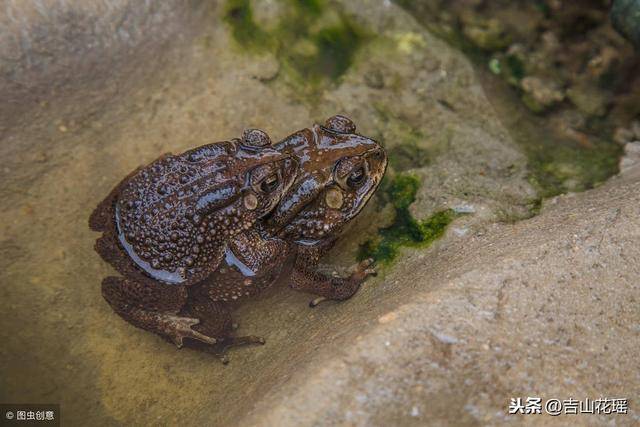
[(356, 177), (270, 183)]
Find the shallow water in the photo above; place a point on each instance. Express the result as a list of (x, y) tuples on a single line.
[(62, 342)]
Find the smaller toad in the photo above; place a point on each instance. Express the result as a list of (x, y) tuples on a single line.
[(339, 171)]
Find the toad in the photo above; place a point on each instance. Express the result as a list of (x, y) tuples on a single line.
[(194, 234)]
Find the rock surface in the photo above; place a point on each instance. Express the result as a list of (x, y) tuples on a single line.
[(625, 15), (547, 307), (444, 334), (631, 159)]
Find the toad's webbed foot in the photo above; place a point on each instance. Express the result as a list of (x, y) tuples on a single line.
[(360, 272), (330, 287), (178, 328)]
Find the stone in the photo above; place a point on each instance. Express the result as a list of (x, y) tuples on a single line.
[(631, 158), (487, 34), (588, 99), (625, 16), (525, 310), (540, 94)]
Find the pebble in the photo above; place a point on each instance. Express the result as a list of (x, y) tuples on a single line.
[(389, 317), (444, 338), (464, 209), (631, 157)]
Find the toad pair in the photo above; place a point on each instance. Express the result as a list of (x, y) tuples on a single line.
[(194, 233)]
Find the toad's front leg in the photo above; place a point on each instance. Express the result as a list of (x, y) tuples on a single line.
[(306, 277), (252, 263), (153, 307)]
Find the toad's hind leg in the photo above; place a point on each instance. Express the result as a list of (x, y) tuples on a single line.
[(153, 307), (216, 322)]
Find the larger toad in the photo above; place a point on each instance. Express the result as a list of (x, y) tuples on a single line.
[(194, 234)]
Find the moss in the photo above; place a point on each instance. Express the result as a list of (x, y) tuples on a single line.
[(543, 7), (310, 7), (533, 104), (405, 230), (515, 66), (535, 206), (333, 49), (494, 66), (315, 44), (558, 168), (239, 16), (510, 67)]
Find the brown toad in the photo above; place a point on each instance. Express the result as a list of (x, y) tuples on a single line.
[(195, 233), (167, 226), (339, 171)]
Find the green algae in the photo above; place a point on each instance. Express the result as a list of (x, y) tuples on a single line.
[(239, 16), (310, 7), (336, 48), (400, 191), (556, 168), (315, 44), (515, 66)]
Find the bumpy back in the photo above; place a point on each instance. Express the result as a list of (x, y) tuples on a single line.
[(173, 216)]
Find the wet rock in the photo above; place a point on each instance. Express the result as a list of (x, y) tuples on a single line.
[(464, 209), (268, 13), (508, 317), (487, 34), (622, 135), (604, 62), (540, 94), (52, 53), (569, 44), (374, 79), (625, 16), (589, 99), (264, 67), (631, 158)]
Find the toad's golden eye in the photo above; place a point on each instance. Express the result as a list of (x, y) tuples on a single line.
[(270, 183), (356, 177)]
